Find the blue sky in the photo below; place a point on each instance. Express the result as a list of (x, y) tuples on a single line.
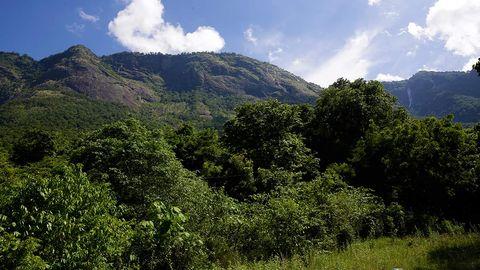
[(319, 40)]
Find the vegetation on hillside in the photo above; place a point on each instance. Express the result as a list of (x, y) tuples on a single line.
[(279, 181), (439, 94), (75, 90)]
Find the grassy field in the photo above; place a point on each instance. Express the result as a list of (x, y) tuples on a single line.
[(457, 252)]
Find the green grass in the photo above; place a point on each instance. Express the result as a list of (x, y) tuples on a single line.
[(441, 252)]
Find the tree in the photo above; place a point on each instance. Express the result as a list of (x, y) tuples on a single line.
[(33, 146), (139, 164), (271, 135), (195, 147), (142, 169), (343, 114), (427, 165)]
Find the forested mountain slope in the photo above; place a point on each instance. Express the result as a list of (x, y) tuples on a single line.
[(439, 94), (77, 89)]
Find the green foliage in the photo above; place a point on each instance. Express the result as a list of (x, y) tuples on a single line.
[(162, 242), (429, 166), (280, 181), (63, 221), (440, 94), (270, 134), (258, 123), (343, 114), (138, 164), (195, 148), (33, 146), (56, 111), (235, 175), (324, 213), (142, 169), (76, 90)]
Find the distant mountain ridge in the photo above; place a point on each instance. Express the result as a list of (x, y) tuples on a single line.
[(78, 89), (439, 94), (134, 78)]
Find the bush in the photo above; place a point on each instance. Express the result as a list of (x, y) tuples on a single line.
[(162, 242), (324, 213), (63, 222)]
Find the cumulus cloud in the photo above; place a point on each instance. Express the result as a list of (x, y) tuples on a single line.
[(87, 17), (388, 78), (456, 23), (374, 2), (140, 27), (250, 37), (416, 31), (350, 62), (469, 65)]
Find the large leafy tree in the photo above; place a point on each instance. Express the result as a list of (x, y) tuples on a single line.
[(270, 134), (139, 164), (426, 165), (343, 114)]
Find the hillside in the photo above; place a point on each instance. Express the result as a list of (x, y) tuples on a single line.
[(439, 94), (77, 89)]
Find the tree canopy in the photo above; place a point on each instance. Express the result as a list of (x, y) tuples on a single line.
[(279, 180)]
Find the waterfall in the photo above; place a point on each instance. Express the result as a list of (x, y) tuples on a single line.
[(410, 98)]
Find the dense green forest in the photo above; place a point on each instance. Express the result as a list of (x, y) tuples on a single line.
[(278, 180), (76, 90)]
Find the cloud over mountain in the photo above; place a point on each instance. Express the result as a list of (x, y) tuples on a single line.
[(140, 27), (350, 62), (456, 23)]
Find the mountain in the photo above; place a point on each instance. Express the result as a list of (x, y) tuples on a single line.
[(439, 94), (78, 89)]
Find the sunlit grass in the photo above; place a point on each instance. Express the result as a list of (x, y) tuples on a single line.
[(454, 252)]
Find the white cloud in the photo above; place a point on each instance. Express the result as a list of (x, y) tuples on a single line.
[(456, 23), (428, 68), (273, 55), (350, 62), (297, 62), (391, 14), (469, 65), (374, 2), (250, 37), (87, 17), (75, 28), (388, 78), (140, 27), (413, 52), (416, 31)]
